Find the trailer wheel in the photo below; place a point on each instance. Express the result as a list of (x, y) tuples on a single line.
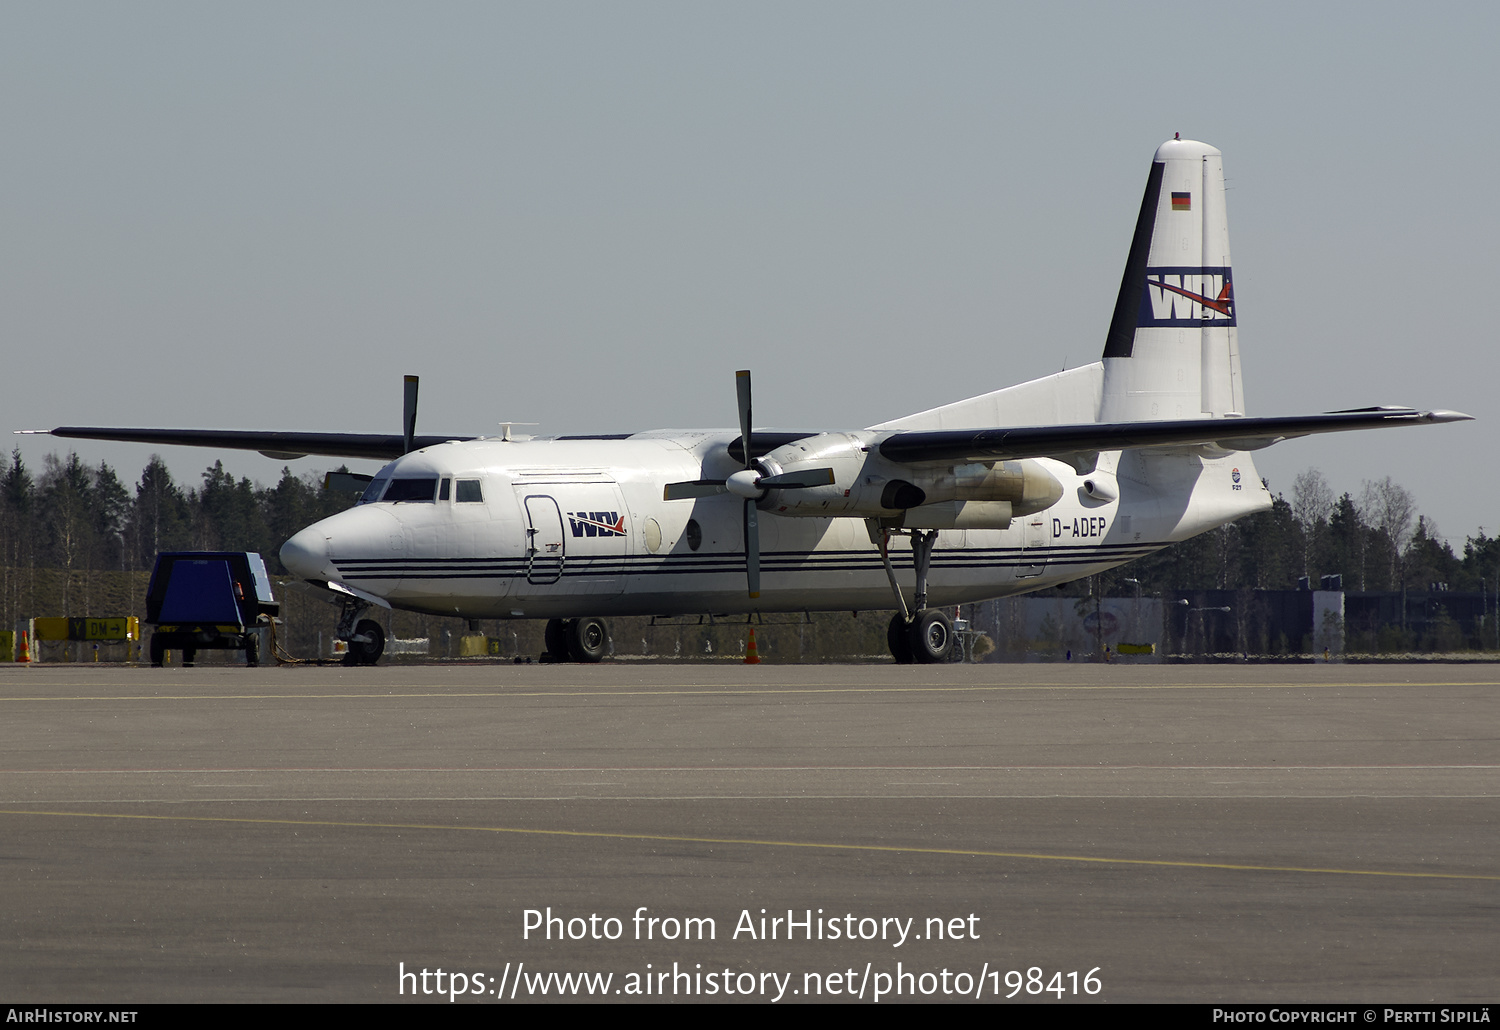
[(158, 651)]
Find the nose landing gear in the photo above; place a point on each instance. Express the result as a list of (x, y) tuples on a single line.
[(365, 637), (367, 644)]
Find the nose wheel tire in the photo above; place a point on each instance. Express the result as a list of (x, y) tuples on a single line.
[(367, 653), (931, 637)]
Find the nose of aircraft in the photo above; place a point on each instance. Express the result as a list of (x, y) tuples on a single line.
[(306, 554), (360, 533)]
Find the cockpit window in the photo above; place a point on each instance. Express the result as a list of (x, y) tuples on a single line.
[(372, 492), (411, 490), (468, 490)]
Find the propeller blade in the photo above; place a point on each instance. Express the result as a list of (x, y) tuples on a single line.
[(742, 392), (752, 549), (695, 488), (713, 487), (409, 414), (802, 478)]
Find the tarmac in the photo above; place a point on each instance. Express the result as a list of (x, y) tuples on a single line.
[(773, 833)]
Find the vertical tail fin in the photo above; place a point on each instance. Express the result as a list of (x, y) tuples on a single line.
[(1172, 350)]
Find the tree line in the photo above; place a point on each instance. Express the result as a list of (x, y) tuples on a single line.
[(1376, 541), (84, 522)]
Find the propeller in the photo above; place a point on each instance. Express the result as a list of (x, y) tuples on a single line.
[(744, 485), (408, 414), (749, 483)]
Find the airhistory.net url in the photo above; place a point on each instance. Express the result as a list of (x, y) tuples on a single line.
[(515, 983)]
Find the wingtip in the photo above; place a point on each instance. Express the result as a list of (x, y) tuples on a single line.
[(1441, 415)]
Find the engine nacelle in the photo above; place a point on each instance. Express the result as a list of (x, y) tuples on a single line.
[(869, 486), (959, 515), (845, 453), (1025, 485)]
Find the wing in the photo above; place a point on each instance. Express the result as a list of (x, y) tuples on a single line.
[(378, 446), (1087, 440)]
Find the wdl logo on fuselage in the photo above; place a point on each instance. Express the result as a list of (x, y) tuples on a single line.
[(596, 523), (1187, 297)]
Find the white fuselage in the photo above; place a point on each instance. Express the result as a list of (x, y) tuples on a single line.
[(566, 528)]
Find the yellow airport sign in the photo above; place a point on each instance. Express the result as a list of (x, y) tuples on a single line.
[(101, 629)]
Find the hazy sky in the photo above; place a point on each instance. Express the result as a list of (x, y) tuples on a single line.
[(589, 215)]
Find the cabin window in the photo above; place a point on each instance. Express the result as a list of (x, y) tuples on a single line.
[(411, 490), (694, 535), (468, 490)]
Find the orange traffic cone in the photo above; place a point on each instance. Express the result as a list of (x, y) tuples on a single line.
[(24, 655), (752, 657)]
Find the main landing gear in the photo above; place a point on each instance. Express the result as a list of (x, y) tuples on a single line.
[(923, 636), (576, 640)]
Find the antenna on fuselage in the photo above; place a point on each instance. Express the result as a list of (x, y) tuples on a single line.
[(505, 428)]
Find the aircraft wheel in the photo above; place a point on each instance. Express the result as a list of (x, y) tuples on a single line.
[(367, 654), (587, 639), (158, 651), (555, 639), (931, 637), (898, 639)]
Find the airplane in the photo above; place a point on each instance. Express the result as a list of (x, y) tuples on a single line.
[(1016, 490)]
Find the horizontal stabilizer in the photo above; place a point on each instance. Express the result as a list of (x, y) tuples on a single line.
[(1230, 434)]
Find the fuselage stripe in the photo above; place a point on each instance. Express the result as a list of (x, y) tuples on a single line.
[(638, 565)]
